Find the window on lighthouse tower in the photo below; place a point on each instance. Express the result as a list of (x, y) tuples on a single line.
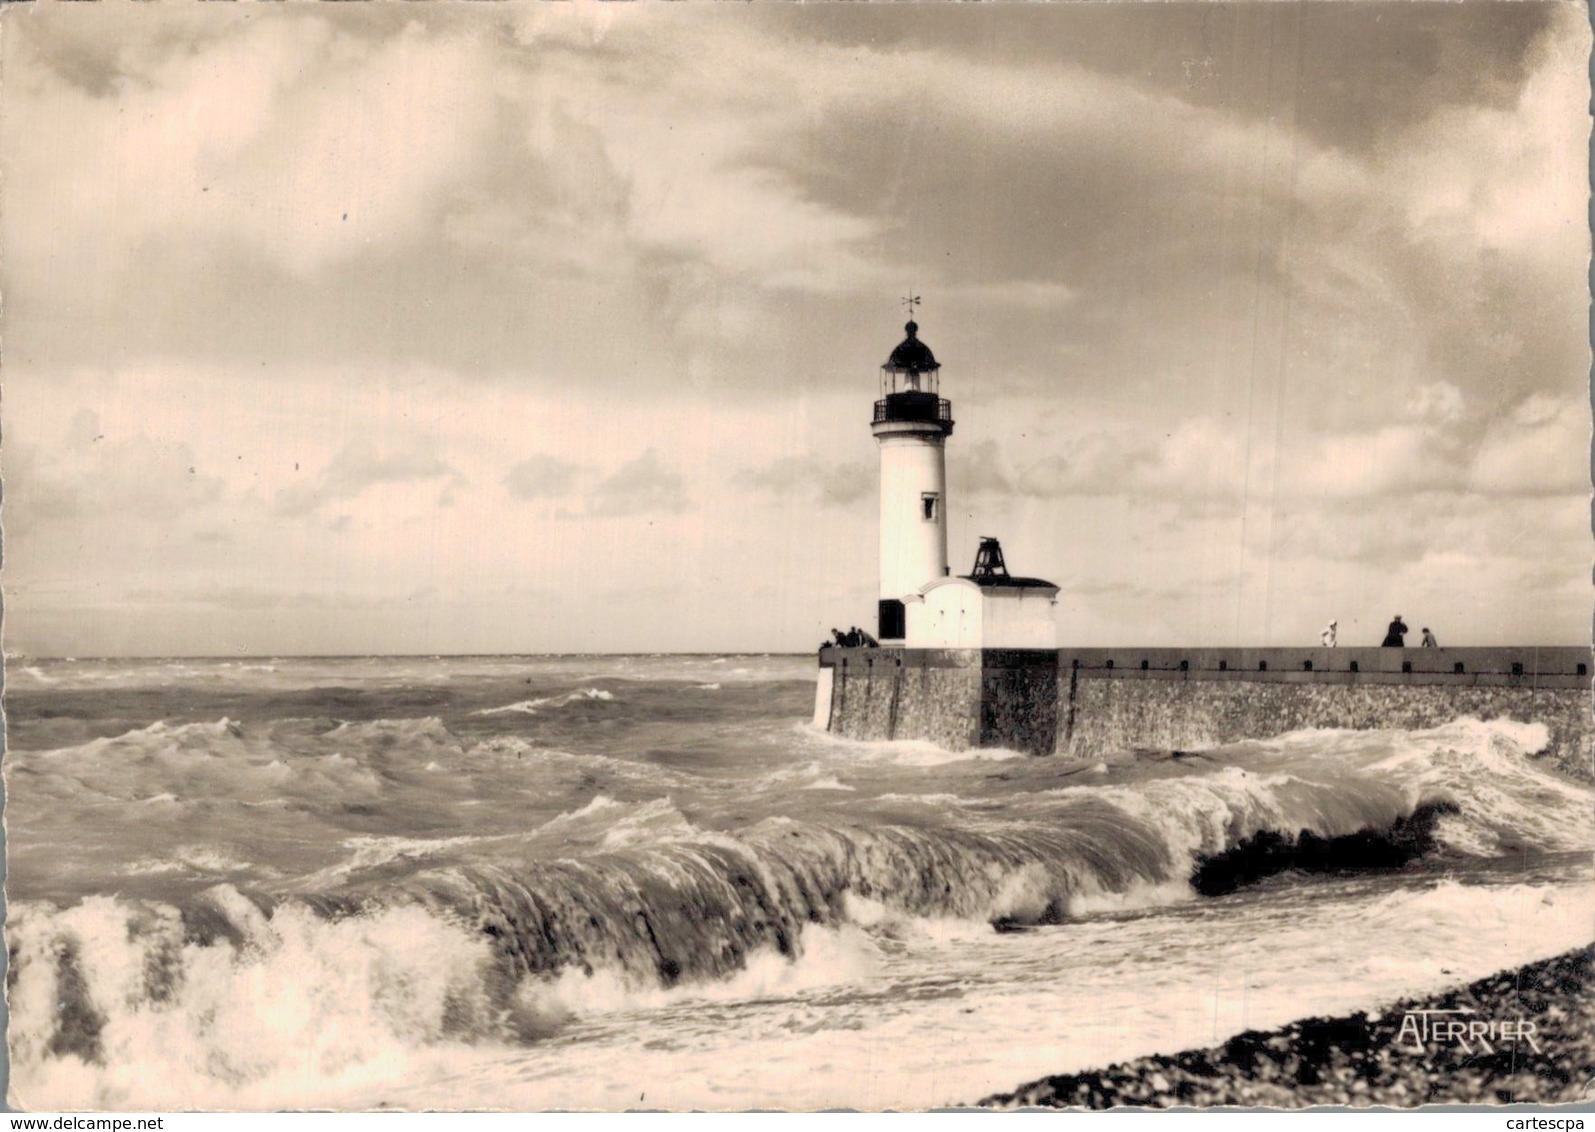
[(928, 504)]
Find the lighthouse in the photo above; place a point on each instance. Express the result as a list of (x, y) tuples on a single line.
[(971, 660), (911, 425), (921, 605)]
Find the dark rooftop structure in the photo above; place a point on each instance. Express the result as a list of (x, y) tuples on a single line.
[(912, 355), (992, 572), (909, 381)]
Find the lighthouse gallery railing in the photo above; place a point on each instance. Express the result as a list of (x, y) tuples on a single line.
[(906, 407)]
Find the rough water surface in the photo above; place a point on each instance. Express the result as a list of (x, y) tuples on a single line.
[(580, 882)]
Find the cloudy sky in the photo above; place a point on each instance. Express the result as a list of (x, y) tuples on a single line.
[(460, 328)]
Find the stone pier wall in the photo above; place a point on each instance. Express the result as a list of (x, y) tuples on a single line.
[(1085, 703), (931, 694)]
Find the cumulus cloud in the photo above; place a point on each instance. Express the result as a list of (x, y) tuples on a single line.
[(542, 477), (88, 475), (644, 486), (1528, 451), (359, 466), (1199, 459), (831, 482), (290, 138), (980, 468)]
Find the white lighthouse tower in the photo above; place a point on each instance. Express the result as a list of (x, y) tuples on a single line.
[(912, 423)]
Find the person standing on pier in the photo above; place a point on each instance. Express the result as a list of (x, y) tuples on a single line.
[(1396, 635)]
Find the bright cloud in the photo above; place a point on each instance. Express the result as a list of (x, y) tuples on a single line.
[(463, 328)]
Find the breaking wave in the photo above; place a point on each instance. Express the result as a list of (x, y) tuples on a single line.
[(530, 707), (326, 985), (905, 752)]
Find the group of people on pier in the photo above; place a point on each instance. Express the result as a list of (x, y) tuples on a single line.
[(854, 638), (1395, 636)]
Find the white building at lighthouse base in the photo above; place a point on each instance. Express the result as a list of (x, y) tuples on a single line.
[(982, 613)]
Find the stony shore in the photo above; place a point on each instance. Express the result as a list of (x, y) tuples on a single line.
[(1367, 1058)]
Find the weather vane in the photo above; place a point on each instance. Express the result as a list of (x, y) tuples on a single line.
[(910, 301)]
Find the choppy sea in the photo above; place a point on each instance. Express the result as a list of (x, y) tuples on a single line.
[(613, 882)]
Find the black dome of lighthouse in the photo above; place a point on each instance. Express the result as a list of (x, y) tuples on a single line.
[(912, 355), (909, 394)]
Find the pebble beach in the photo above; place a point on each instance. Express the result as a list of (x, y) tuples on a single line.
[(1365, 1059)]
